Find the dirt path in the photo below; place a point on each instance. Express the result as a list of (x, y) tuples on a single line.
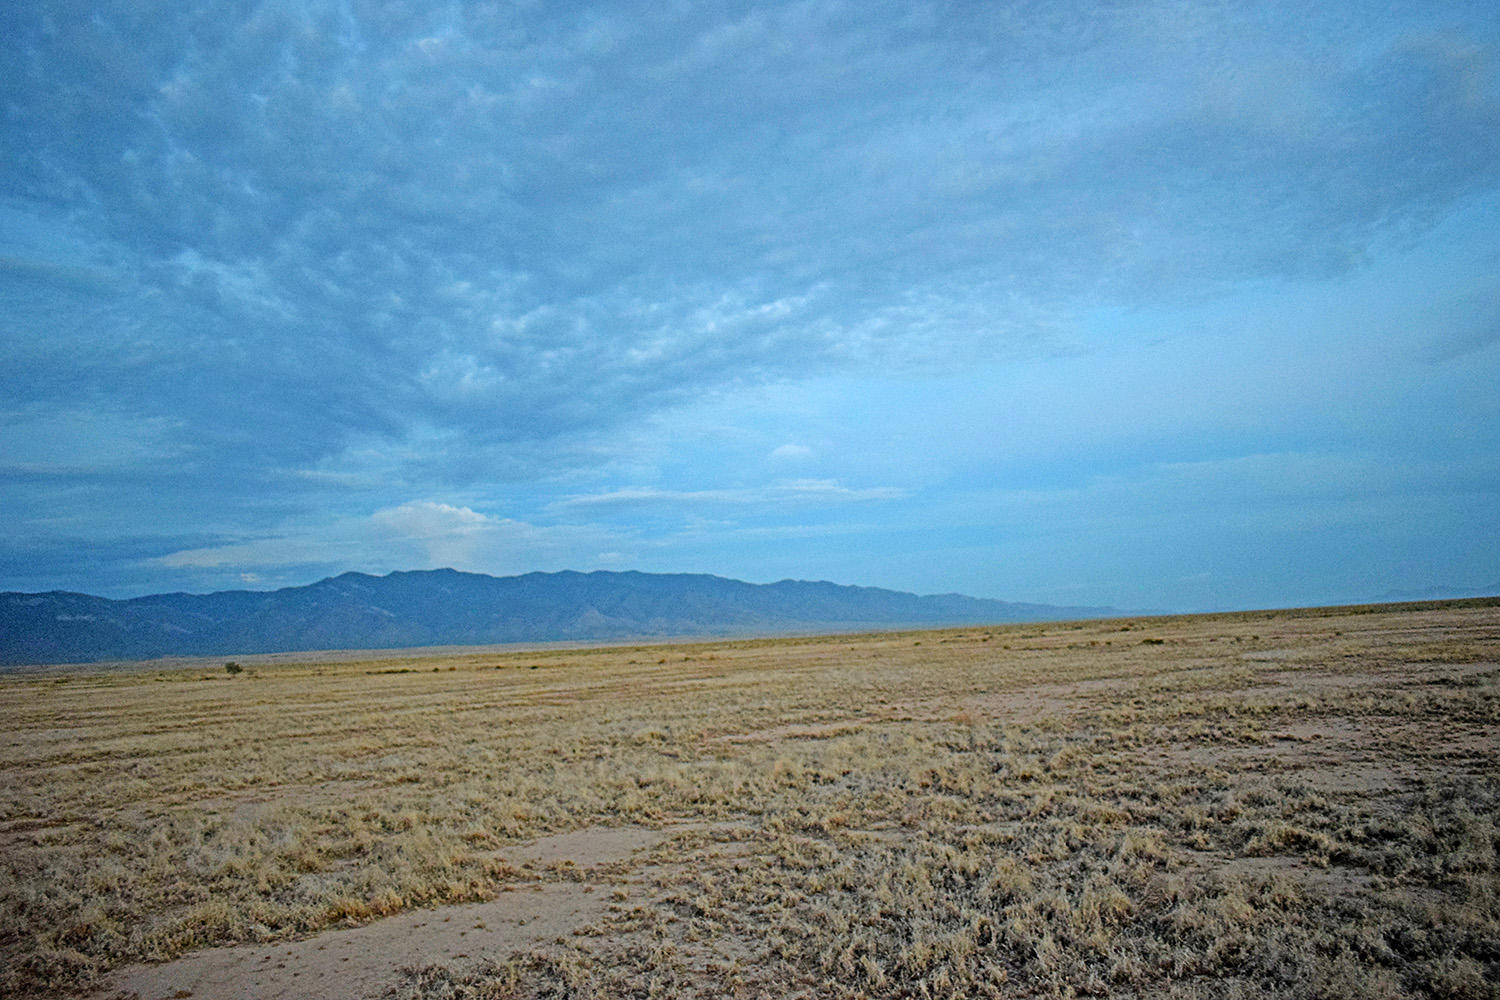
[(364, 962)]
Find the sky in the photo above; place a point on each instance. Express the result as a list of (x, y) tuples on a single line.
[(1180, 306)]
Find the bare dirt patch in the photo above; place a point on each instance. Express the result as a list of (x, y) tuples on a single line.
[(362, 962), (586, 849)]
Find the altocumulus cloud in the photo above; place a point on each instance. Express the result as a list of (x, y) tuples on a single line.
[(269, 270), (420, 533)]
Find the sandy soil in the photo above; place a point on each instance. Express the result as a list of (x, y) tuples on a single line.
[(363, 962)]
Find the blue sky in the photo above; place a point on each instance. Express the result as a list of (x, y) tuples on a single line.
[(1155, 305)]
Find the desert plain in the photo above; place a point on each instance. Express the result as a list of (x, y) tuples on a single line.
[(1263, 804)]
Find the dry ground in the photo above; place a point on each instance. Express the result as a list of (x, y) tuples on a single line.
[(1268, 804)]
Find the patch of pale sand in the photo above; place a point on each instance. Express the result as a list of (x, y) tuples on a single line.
[(364, 962), (361, 962), (587, 848)]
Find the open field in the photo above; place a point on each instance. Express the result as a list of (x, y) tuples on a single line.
[(1263, 804)]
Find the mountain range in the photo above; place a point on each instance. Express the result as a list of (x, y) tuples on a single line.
[(445, 607)]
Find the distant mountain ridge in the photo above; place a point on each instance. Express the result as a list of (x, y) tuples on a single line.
[(445, 607)]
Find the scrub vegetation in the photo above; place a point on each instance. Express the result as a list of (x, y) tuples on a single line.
[(1284, 804)]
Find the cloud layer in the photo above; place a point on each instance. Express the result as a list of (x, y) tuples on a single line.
[(269, 266)]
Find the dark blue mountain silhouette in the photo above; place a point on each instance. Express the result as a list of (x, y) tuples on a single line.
[(448, 608)]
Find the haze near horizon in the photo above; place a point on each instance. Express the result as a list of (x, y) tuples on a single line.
[(1162, 306)]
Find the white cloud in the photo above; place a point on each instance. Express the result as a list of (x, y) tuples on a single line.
[(797, 491), (419, 534), (444, 535), (792, 453), (425, 519)]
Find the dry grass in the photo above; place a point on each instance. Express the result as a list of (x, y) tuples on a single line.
[(1278, 804)]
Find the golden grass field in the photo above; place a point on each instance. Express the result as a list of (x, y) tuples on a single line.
[(1283, 804)]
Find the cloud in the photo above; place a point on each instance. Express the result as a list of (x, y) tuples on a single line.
[(444, 535), (424, 519), (311, 261), (480, 221), (273, 551), (417, 534), (799, 491), (791, 453)]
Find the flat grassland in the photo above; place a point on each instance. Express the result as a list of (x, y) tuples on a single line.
[(1279, 804)]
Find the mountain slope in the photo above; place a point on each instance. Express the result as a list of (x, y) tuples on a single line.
[(445, 607)]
